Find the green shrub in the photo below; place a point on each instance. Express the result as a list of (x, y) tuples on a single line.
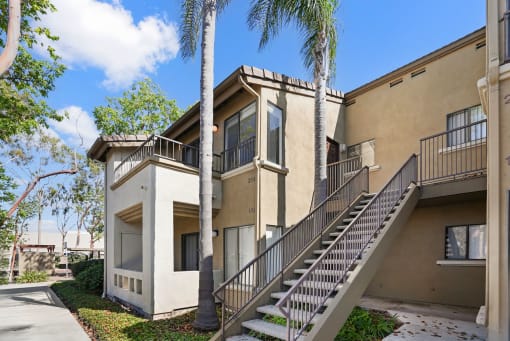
[(91, 279), (109, 321), (366, 325), (76, 257), (4, 280), (79, 267), (32, 277)]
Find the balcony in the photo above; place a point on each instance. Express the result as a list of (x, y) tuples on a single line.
[(456, 157), (238, 155), (162, 147)]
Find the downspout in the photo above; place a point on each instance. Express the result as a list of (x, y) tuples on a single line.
[(256, 160), (105, 235), (13, 33)]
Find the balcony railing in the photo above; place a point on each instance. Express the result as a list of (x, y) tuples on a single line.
[(238, 155), (164, 148), (341, 171), (454, 154)]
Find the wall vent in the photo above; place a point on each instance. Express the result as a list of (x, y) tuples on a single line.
[(480, 45), (418, 72), (396, 82)]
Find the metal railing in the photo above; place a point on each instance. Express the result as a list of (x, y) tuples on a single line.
[(239, 290), (165, 148), (454, 153), (339, 172), (238, 155), (305, 298)]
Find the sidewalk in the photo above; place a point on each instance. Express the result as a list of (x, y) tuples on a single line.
[(423, 322), (33, 312)]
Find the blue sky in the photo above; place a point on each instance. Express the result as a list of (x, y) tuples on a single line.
[(109, 44)]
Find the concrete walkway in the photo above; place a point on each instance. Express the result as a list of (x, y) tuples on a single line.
[(429, 321), (33, 312)]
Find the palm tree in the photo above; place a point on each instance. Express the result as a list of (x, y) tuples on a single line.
[(13, 32), (316, 21), (200, 15)]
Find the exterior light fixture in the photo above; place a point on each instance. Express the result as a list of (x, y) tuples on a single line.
[(215, 128), (215, 233)]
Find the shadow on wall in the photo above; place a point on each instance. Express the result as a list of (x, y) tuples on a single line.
[(37, 261)]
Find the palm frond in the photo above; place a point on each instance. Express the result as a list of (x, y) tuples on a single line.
[(191, 22)]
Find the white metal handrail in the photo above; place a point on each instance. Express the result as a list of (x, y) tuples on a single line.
[(239, 290), (331, 268)]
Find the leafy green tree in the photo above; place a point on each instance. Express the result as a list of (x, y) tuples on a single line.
[(61, 198), (19, 225), (316, 22), (199, 20), (33, 158), (88, 200), (7, 186), (143, 109), (29, 80)]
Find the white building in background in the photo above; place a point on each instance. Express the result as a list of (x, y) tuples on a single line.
[(55, 238)]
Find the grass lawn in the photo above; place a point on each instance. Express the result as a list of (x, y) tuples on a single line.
[(109, 321)]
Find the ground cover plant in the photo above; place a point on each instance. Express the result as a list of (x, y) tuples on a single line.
[(361, 325), (32, 277), (107, 320)]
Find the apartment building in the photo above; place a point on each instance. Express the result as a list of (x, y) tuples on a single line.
[(407, 215)]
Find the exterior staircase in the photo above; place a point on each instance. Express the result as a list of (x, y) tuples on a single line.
[(315, 293)]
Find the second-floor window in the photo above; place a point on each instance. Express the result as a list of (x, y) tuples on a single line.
[(274, 134), (365, 150), (466, 126), (240, 138)]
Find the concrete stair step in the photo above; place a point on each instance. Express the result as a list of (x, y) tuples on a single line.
[(243, 337), (267, 328), (274, 311), (299, 298), (313, 284), (322, 272)]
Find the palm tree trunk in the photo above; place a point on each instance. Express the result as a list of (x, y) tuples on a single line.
[(206, 318), (321, 75)]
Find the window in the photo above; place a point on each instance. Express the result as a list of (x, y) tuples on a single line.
[(190, 153), (274, 257), (239, 248), (189, 251), (333, 151), (366, 150), (274, 134), (465, 242), (240, 138), (467, 118)]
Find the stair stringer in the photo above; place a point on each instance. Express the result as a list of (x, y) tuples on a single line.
[(250, 311), (348, 295)]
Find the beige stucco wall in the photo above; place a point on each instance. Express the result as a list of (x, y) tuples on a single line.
[(409, 271), (286, 197), (397, 117)]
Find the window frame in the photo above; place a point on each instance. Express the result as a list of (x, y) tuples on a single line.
[(238, 123), (183, 253), (359, 144), (467, 228), (237, 228), (467, 131), (281, 135)]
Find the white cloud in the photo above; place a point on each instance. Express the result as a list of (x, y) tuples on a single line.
[(77, 129), (105, 36)]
